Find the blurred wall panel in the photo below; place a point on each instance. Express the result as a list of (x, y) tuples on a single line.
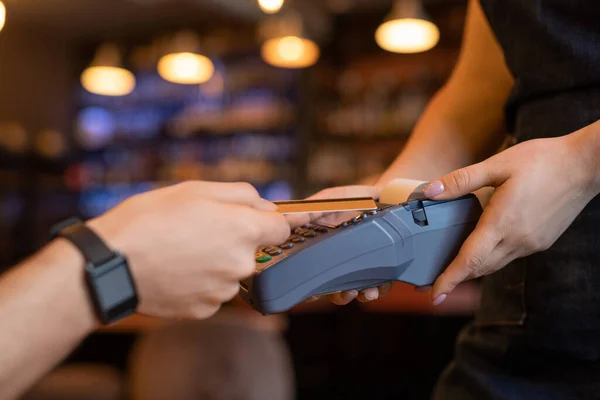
[(35, 79)]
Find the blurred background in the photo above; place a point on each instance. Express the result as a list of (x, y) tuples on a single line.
[(103, 99)]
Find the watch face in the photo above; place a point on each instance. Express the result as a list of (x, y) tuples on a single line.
[(113, 289)]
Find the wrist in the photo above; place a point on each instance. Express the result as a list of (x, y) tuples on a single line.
[(66, 263), (108, 275), (117, 237), (113, 235), (585, 148)]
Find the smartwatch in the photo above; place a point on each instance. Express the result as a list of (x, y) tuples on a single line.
[(107, 274)]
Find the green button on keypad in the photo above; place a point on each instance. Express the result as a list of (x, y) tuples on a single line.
[(263, 258)]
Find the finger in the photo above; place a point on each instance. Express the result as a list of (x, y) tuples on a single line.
[(466, 180), (347, 191), (312, 299), (470, 262), (343, 298), (341, 192), (296, 220), (240, 193), (496, 260), (263, 205), (270, 227), (503, 260), (328, 218), (369, 294), (385, 289)]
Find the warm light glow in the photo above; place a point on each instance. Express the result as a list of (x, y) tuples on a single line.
[(2, 15), (186, 68), (270, 6), (14, 137), (407, 35), (290, 52), (50, 143), (108, 81)]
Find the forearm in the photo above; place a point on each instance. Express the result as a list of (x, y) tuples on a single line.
[(463, 123), (586, 146), (454, 131), (44, 314)]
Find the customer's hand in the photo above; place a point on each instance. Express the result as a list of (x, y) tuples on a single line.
[(343, 298), (189, 244), (541, 186)]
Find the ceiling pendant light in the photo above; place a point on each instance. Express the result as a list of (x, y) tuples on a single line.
[(270, 6), (184, 64), (290, 52), (2, 15), (105, 76), (286, 46), (407, 29)]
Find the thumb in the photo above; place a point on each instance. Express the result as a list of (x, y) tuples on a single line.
[(296, 220), (464, 181)]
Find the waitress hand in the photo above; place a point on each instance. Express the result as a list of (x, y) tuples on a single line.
[(295, 220), (540, 187)]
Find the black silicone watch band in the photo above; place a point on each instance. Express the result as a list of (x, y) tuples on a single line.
[(89, 243)]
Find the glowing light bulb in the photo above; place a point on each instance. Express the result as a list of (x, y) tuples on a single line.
[(290, 52), (290, 48), (186, 68), (407, 35), (2, 15), (105, 76), (270, 6), (108, 81)]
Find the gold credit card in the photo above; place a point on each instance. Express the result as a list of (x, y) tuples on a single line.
[(326, 205)]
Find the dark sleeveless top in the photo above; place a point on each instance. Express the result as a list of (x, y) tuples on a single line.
[(552, 48), (536, 334)]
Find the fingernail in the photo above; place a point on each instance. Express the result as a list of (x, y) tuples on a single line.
[(371, 295), (350, 294), (433, 189), (440, 299)]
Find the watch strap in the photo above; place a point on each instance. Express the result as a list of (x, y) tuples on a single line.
[(95, 251)]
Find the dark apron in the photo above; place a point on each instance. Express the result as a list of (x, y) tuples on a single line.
[(536, 334)]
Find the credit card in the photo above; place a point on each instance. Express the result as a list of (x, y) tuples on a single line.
[(326, 205)]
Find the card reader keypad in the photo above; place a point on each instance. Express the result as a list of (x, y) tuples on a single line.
[(304, 235), (272, 250), (262, 258), (301, 234)]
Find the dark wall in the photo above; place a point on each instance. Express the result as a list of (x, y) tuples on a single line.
[(35, 79), (36, 82)]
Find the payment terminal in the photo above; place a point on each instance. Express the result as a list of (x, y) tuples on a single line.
[(411, 242)]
